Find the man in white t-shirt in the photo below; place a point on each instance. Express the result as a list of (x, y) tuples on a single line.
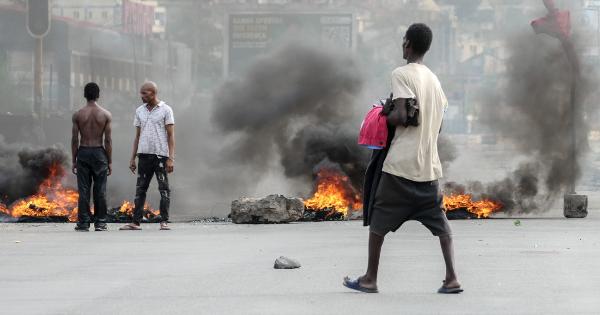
[(154, 146), (408, 188)]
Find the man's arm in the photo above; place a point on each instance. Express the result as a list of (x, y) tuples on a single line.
[(397, 117), (136, 142), (74, 143), (171, 143), (108, 141)]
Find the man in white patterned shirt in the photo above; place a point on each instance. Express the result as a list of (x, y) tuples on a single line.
[(154, 146)]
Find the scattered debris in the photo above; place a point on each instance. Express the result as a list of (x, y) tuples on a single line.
[(125, 215), (42, 219), (460, 214), (211, 220), (286, 263), (328, 214)]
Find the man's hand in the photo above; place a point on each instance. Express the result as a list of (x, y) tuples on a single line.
[(109, 169), (169, 165), (132, 166), (388, 106), (398, 116), (74, 168)]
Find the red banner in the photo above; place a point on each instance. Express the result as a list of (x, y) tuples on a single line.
[(138, 18)]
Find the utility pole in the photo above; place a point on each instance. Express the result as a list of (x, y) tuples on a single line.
[(38, 69), (38, 25)]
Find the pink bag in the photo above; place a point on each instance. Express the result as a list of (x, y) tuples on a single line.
[(373, 130)]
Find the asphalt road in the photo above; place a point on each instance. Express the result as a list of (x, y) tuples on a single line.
[(542, 266)]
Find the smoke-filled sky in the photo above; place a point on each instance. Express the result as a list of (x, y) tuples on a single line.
[(264, 130)]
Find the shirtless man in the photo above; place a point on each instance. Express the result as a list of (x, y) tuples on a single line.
[(92, 158)]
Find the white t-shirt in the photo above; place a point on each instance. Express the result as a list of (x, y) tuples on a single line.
[(413, 153), (153, 124)]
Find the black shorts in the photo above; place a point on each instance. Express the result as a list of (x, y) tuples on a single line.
[(398, 200)]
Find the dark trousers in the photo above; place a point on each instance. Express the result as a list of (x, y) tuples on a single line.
[(92, 168), (149, 165)]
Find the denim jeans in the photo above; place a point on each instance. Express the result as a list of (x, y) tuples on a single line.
[(148, 166), (92, 169)]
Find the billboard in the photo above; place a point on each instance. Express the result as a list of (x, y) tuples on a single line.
[(249, 35)]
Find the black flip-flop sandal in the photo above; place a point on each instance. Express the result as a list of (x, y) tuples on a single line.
[(445, 290)]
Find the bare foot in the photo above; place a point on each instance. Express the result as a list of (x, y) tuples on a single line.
[(367, 283), (451, 284), (360, 285)]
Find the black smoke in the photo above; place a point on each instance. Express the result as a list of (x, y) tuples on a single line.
[(532, 107), (22, 170), (296, 104), (517, 192)]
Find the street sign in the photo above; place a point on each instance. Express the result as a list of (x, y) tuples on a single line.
[(38, 18), (250, 35)]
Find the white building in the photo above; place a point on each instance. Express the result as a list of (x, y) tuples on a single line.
[(107, 13)]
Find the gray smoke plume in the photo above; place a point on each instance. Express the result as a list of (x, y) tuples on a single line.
[(532, 109), (295, 104), (518, 192), (22, 170)]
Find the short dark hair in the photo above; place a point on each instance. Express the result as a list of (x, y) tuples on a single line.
[(420, 36), (91, 92)]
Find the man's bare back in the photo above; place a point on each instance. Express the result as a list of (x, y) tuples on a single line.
[(91, 122)]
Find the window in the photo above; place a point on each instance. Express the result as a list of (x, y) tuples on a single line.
[(90, 15), (76, 14), (105, 15), (120, 84)]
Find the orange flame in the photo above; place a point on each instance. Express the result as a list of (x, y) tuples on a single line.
[(52, 199), (127, 208), (3, 209), (482, 208), (335, 192)]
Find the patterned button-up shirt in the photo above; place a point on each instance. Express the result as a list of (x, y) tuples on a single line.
[(153, 124)]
